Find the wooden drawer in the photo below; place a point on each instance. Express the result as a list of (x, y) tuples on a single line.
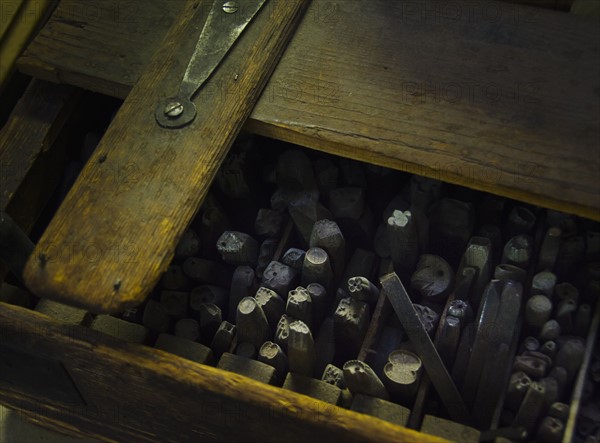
[(112, 390), (125, 392)]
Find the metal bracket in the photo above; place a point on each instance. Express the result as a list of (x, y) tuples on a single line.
[(224, 25)]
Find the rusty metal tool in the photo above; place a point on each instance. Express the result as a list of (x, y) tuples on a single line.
[(443, 383), (225, 23)]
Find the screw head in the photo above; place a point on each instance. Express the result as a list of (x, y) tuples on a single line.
[(231, 7), (173, 109)]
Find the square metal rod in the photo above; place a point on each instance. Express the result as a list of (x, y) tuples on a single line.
[(443, 383)]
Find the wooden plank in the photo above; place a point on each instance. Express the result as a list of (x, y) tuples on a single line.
[(115, 234), (162, 397), (32, 153), (100, 45), (490, 95), (31, 130), (24, 21)]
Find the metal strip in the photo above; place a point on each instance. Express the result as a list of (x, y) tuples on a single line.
[(443, 383)]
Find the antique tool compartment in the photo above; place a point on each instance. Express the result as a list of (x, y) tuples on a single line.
[(120, 391), (93, 384)]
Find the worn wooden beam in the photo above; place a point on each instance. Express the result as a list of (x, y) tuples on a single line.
[(491, 95), (31, 130), (32, 152), (164, 397), (116, 231)]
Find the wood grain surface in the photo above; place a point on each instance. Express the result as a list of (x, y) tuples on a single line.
[(491, 95), (137, 393), (116, 231)]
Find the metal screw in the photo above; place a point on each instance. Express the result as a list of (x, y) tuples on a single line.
[(231, 7), (173, 109), (42, 260)]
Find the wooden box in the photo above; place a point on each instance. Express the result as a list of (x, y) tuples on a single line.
[(343, 97)]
